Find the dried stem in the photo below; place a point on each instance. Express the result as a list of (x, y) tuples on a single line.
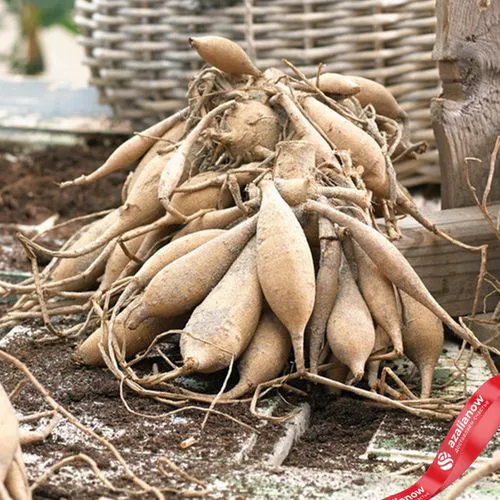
[(472, 478), (73, 420)]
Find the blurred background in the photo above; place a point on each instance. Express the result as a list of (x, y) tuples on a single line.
[(37, 38), (91, 71), (85, 66)]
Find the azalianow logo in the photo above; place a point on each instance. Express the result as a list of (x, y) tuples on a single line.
[(445, 461)]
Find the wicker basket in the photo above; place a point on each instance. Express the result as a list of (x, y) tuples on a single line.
[(140, 59)]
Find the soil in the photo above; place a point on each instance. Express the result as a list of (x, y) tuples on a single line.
[(29, 193), (92, 395), (340, 431)]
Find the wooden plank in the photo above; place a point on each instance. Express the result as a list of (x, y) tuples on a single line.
[(449, 272), (485, 332), (466, 117), (35, 106)]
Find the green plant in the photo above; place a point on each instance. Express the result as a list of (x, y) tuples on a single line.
[(27, 56)]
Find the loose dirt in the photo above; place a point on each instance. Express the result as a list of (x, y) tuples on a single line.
[(340, 430), (28, 185), (93, 396), (29, 193)]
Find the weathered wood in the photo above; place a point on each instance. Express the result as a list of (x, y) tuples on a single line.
[(485, 329), (466, 117), (31, 109), (449, 272)]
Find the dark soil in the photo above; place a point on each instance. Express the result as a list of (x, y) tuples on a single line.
[(340, 431), (93, 396), (29, 193), (12, 255)]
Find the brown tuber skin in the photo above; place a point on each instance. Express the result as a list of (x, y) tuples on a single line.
[(166, 255), (189, 202), (295, 191), (13, 480), (141, 207), (66, 268), (400, 272), (131, 150), (218, 219), (334, 83), (382, 342), (265, 357), (224, 54), (380, 298), (423, 339), (117, 261), (170, 137), (327, 284), (338, 372), (295, 160), (185, 282), (253, 129), (9, 433), (178, 166), (361, 198), (131, 340), (149, 242), (16, 481), (374, 93), (304, 129), (204, 266), (221, 327), (350, 331), (345, 135), (207, 198), (285, 266)]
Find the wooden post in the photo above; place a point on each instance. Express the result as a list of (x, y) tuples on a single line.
[(466, 117)]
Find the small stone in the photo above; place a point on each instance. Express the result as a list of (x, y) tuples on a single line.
[(277, 470)]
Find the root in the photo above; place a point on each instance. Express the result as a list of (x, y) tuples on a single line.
[(73, 420), (122, 157), (332, 187), (81, 457), (440, 411), (153, 380), (328, 100), (59, 284), (171, 218), (386, 371), (219, 394), (408, 207), (80, 218), (466, 482), (40, 294), (188, 477), (27, 438), (387, 356), (423, 413)]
